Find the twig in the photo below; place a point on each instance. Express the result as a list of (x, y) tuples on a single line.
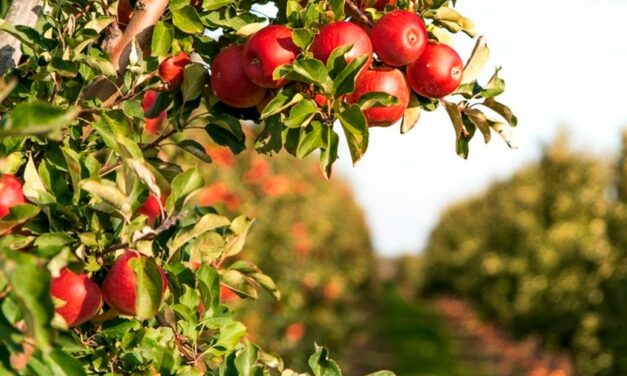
[(151, 234), (356, 12), (181, 342)]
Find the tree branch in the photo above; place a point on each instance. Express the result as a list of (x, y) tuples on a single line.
[(21, 12), (145, 15), (355, 12), (167, 224)]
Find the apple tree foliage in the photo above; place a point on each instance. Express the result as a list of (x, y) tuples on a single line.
[(72, 129)]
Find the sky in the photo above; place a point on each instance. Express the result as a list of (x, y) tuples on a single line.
[(565, 63)]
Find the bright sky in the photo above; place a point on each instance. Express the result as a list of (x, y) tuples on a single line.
[(565, 63)]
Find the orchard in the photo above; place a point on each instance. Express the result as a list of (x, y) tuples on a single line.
[(109, 261)]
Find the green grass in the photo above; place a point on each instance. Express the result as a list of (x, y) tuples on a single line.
[(412, 340)]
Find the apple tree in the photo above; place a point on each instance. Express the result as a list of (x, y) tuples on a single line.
[(106, 265)]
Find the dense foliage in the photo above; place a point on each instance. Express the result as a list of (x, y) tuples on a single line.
[(96, 208), (310, 236), (544, 254)]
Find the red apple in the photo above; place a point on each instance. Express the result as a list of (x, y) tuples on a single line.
[(226, 294), (81, 295), (295, 332), (378, 4), (171, 69), (119, 287), (437, 73), (153, 125), (266, 50), (340, 34), (11, 194), (229, 81), (388, 80), (399, 38), (151, 208), (196, 3)]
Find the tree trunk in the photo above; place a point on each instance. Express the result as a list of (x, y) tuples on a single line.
[(21, 12)]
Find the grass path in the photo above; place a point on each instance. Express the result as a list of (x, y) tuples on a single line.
[(411, 339)]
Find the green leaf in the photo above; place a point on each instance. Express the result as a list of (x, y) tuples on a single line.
[(476, 62), (329, 153), (502, 110), (241, 227), (187, 20), (108, 192), (99, 64), (310, 140), (18, 215), (301, 114), (195, 149), (284, 98), (456, 117), (412, 114), (337, 60), (30, 282), (149, 287), (454, 22), (182, 185), (356, 130), (208, 282), (207, 223), (267, 283), (344, 83), (52, 243), (195, 76), (230, 335), (34, 188), (162, 37), (215, 4), (246, 361), (36, 118), (310, 71), (238, 282), (382, 373), (62, 363), (495, 87), (321, 365), (377, 99), (302, 37), (480, 121)]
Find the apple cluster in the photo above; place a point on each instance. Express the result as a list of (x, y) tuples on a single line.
[(243, 76), (81, 298)]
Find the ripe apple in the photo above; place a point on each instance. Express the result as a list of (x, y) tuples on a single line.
[(399, 38), (151, 208), (265, 51), (11, 194), (295, 332), (153, 125), (388, 80), (171, 69), (119, 287), (226, 294), (338, 34), (81, 295), (229, 81), (378, 4), (437, 73)]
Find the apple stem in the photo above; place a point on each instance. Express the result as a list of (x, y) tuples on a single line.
[(356, 12)]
